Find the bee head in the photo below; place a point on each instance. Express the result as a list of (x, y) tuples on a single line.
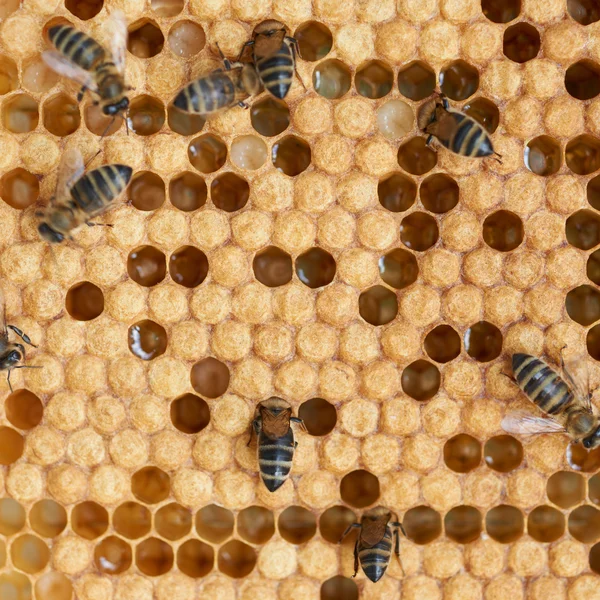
[(592, 441), (49, 234), (15, 356), (269, 28), (113, 109)]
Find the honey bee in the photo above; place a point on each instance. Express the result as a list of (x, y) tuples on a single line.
[(80, 197), (567, 403), (455, 130), (373, 548), (276, 442)]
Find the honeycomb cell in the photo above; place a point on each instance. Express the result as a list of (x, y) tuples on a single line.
[(442, 344), (503, 231), (378, 305), (173, 521), (54, 586), (99, 123), (195, 558), (154, 557), (11, 445), (229, 192), (339, 588), (29, 553), (147, 191), (190, 413), (332, 78), (585, 12), (422, 524), (184, 123), (291, 155), (334, 521), (214, 523), (48, 518), (210, 377), (416, 80), (256, 524), (113, 555), (583, 229), (270, 116), (593, 192), (584, 524), (485, 112), (12, 516), (12, 584), (521, 42), (20, 113), (415, 157), (581, 459), (84, 9), (89, 520), (145, 39), (61, 115), (397, 192), (359, 488), (84, 301), (37, 75), (9, 76), (186, 39), (582, 80), (582, 154), (439, 193), (421, 380), (19, 188), (207, 153), (483, 341), (374, 79), (315, 268), (545, 524), (593, 342), (273, 267), (147, 339), (595, 558), (462, 453), (297, 525), (419, 231), (314, 40), (250, 152), (499, 11), (543, 155), (236, 559), (459, 80), (188, 192), (146, 265), (150, 485), (503, 453), (319, 416), (399, 268), (23, 409), (395, 119), (188, 266), (504, 523), (583, 305), (594, 489), (463, 524), (565, 489)]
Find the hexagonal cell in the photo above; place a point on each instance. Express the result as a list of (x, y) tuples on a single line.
[(374, 79), (416, 80), (54, 586), (503, 231), (395, 119), (291, 155), (184, 123), (9, 75), (270, 116), (12, 516), (173, 521), (61, 115), (419, 231), (99, 123), (416, 157), (84, 301), (214, 523), (249, 152), (147, 339), (84, 9), (195, 558), (582, 154), (422, 524), (273, 267), (595, 558), (584, 12), (397, 192), (594, 489), (442, 344), (188, 266), (332, 78), (19, 188), (485, 112), (593, 192), (315, 268), (421, 380), (146, 265), (20, 114), (190, 413), (48, 518), (378, 305), (545, 524), (334, 521), (23, 409), (543, 155), (236, 559), (11, 445), (186, 39), (583, 305), (462, 453), (150, 485), (188, 191), (210, 377), (145, 39), (113, 555), (37, 76), (297, 525), (593, 342), (459, 80), (229, 192), (167, 8), (132, 520), (500, 11), (314, 40), (146, 115), (29, 553), (521, 42), (256, 524), (15, 585), (89, 520), (584, 524), (147, 191), (565, 489), (339, 588), (504, 523), (463, 524), (207, 153), (503, 453), (319, 416), (439, 193), (582, 80), (483, 341), (398, 268), (359, 488), (581, 459)]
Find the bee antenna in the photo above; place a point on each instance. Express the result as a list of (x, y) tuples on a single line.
[(91, 159), (126, 119), (107, 128)]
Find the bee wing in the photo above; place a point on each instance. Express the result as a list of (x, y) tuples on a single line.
[(63, 66), (524, 423), (118, 25), (372, 532), (70, 170), (3, 329), (575, 370)]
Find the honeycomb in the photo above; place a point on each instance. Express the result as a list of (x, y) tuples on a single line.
[(318, 250)]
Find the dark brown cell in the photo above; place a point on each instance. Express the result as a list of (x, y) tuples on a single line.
[(210, 377), (173, 521), (48, 518), (359, 488), (545, 524), (214, 523), (84, 9), (332, 78), (190, 413), (188, 192), (504, 523), (61, 116), (397, 192), (565, 489), (339, 588), (416, 80), (23, 409), (188, 266), (593, 192), (291, 155), (99, 123), (582, 154), (270, 116), (594, 489), (378, 305), (442, 344), (421, 380), (416, 157), (314, 40), (11, 445), (29, 553), (147, 339), (186, 38), (521, 42), (483, 341), (334, 521), (374, 79), (584, 12), (584, 524), (19, 188), (582, 80), (113, 555), (184, 123), (195, 558), (459, 80), (84, 301), (593, 342), (236, 559), (145, 39), (315, 268), (229, 192), (501, 11), (150, 485), (462, 453), (12, 516), (20, 114), (319, 416), (256, 524), (503, 231), (399, 268), (297, 525), (485, 112), (463, 524), (595, 558), (9, 74), (146, 265), (422, 524), (583, 305), (147, 191), (439, 193), (154, 557), (89, 520), (581, 459), (543, 155), (273, 267), (207, 153), (419, 231), (593, 267), (503, 453)]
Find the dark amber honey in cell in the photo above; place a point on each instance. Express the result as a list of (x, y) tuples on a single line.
[(442, 344), (214, 523), (334, 521), (210, 377), (256, 524), (422, 524), (229, 192), (207, 153), (89, 520), (416, 157), (565, 489), (291, 155), (378, 305), (195, 558), (150, 485), (146, 265), (483, 341), (359, 488), (463, 524), (270, 116), (154, 557), (273, 267), (297, 525), (19, 188), (504, 523), (399, 268), (188, 191), (416, 81), (147, 339), (397, 192), (188, 266), (112, 555), (314, 40), (61, 115), (48, 518), (374, 79), (173, 521), (315, 268), (545, 524), (84, 301), (583, 306), (319, 416), (147, 191), (462, 453), (132, 520), (84, 9), (236, 559), (190, 413), (339, 588), (23, 409), (503, 453), (459, 80), (421, 380)]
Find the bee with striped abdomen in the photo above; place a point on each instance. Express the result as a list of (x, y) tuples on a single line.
[(567, 403), (276, 442), (373, 548), (80, 197)]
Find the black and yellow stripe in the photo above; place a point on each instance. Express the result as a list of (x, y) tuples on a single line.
[(276, 71), (78, 47), (208, 94), (275, 459), (469, 137), (374, 560), (98, 188)]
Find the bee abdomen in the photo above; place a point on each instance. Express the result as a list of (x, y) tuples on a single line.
[(375, 560), (76, 46), (99, 187), (275, 459), (207, 94), (277, 71), (469, 139)]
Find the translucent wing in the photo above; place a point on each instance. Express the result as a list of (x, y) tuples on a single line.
[(63, 66), (117, 24), (70, 170), (372, 532), (524, 423), (575, 370)]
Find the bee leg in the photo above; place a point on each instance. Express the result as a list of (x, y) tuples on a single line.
[(244, 105), (22, 335), (355, 558), (8, 381), (509, 377), (21, 367), (90, 224), (300, 422), (397, 527), (81, 92), (248, 43), (253, 430), (348, 529), (429, 139), (295, 52)]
